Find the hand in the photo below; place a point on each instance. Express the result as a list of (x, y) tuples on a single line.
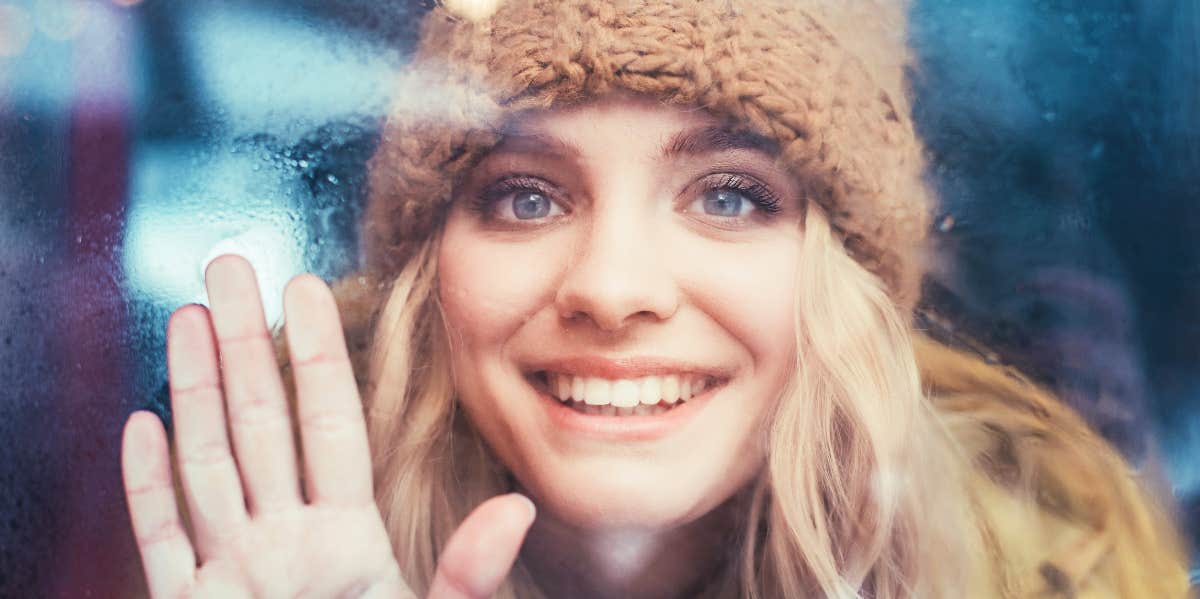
[(255, 532)]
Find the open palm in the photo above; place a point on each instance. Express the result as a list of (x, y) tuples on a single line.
[(255, 532)]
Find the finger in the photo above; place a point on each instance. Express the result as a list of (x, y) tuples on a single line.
[(258, 412), (210, 477), (481, 552), (166, 552), (337, 460), (391, 589)]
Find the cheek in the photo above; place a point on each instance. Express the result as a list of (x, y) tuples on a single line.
[(488, 290), (749, 291)]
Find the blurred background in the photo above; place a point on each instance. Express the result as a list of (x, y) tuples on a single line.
[(140, 139)]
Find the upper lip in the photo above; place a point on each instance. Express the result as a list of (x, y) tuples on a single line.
[(630, 367)]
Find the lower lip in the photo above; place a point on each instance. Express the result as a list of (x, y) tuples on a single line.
[(636, 427)]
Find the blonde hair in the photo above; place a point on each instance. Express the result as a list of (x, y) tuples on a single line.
[(856, 459)]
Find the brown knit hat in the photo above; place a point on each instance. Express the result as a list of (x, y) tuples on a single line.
[(822, 78)]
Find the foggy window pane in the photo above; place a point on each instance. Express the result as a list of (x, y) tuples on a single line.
[(141, 139)]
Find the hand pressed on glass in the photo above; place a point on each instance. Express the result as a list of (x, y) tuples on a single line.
[(255, 534)]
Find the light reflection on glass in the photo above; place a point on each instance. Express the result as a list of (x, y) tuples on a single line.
[(181, 217), (62, 20), (15, 30)]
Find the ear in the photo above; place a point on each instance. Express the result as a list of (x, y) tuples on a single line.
[(472, 10)]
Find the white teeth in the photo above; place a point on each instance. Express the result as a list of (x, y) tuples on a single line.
[(562, 385), (577, 384), (670, 388), (597, 392), (625, 394), (651, 389)]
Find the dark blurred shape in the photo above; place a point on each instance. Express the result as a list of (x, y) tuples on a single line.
[(1065, 142)]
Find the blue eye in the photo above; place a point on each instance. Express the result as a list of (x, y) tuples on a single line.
[(733, 197), (725, 202), (530, 204), (517, 199)]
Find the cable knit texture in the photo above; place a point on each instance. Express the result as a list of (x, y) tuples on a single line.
[(821, 78)]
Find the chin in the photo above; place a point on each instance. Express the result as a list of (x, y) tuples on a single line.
[(619, 512), (592, 499)]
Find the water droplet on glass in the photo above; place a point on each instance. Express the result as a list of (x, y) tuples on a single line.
[(16, 29)]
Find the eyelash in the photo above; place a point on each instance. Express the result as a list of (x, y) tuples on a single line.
[(763, 197), (486, 200)]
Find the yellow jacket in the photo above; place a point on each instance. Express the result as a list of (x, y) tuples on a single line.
[(1061, 513)]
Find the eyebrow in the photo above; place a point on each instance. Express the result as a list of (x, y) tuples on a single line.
[(706, 140)]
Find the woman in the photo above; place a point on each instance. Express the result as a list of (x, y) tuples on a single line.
[(652, 266)]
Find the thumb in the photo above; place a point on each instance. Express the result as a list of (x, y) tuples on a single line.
[(482, 551)]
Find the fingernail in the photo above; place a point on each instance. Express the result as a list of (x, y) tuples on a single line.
[(532, 508)]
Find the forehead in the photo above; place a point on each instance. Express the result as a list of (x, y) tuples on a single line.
[(620, 117)]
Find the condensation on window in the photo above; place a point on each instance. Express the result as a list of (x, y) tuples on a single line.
[(140, 139)]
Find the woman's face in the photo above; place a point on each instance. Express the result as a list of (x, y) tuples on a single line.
[(619, 256)]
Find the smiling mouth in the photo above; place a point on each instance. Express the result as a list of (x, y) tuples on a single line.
[(602, 397)]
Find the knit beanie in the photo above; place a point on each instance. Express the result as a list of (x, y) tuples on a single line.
[(823, 79)]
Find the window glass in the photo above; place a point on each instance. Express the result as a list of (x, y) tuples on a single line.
[(140, 139)]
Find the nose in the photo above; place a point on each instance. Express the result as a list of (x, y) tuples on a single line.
[(617, 275)]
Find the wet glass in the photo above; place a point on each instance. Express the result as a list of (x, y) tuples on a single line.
[(140, 139)]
